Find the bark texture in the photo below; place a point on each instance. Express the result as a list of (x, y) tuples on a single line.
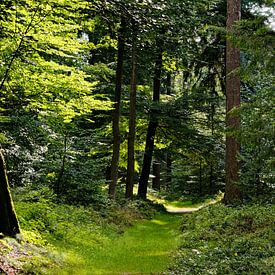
[(132, 125), (232, 193), (9, 225), (116, 111)]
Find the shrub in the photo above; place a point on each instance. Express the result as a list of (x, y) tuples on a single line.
[(224, 240)]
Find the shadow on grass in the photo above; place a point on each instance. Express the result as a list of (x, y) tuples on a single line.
[(144, 248)]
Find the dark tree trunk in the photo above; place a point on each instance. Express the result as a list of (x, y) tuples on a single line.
[(168, 170), (168, 178), (132, 124), (211, 176), (156, 173), (116, 111), (211, 180), (232, 193), (200, 179), (59, 183), (147, 159), (169, 84), (8, 221), (152, 127)]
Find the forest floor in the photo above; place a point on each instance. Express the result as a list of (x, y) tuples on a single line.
[(145, 248)]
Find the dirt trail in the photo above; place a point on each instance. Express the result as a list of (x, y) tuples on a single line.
[(181, 210), (188, 210)]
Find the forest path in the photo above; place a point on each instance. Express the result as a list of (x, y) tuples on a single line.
[(188, 207), (145, 248), (181, 210)]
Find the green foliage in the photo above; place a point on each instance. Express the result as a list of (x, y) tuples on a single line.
[(223, 240), (72, 234), (40, 214), (48, 90), (256, 135)]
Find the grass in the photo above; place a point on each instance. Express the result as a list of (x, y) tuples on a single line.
[(116, 239), (144, 248), (113, 239), (184, 203)]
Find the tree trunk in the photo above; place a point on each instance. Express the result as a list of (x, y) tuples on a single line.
[(116, 111), (200, 179), (147, 159), (232, 193), (168, 178), (59, 183), (156, 173), (211, 176), (168, 170), (152, 127), (169, 84), (132, 124), (8, 221), (211, 180)]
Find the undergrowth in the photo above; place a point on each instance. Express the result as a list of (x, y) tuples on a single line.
[(226, 240), (52, 231)]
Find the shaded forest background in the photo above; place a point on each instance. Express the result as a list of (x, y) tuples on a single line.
[(106, 101), (64, 64)]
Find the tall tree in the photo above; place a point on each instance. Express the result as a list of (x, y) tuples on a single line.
[(116, 111), (153, 124), (132, 119), (233, 100), (8, 221)]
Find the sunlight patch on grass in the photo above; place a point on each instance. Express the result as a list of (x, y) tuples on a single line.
[(144, 248), (158, 222)]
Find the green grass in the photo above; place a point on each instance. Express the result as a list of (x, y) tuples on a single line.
[(144, 248), (179, 204), (183, 202)]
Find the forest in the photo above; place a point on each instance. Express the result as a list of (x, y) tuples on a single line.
[(137, 137)]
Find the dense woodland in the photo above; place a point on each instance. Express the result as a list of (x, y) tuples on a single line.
[(111, 108)]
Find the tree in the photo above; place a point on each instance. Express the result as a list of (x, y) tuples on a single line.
[(232, 192), (48, 92), (116, 111), (153, 124), (132, 118), (8, 221)]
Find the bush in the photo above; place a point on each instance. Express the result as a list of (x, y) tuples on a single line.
[(223, 240)]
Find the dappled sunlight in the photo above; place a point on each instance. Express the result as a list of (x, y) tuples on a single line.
[(158, 222), (143, 248)]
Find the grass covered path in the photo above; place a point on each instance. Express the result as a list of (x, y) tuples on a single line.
[(144, 248)]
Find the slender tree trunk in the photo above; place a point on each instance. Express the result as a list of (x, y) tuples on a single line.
[(200, 179), (168, 170), (211, 180), (132, 124), (156, 173), (116, 111), (152, 127), (169, 84), (8, 221), (16, 53), (168, 179), (147, 159), (211, 176), (59, 183), (232, 193)]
